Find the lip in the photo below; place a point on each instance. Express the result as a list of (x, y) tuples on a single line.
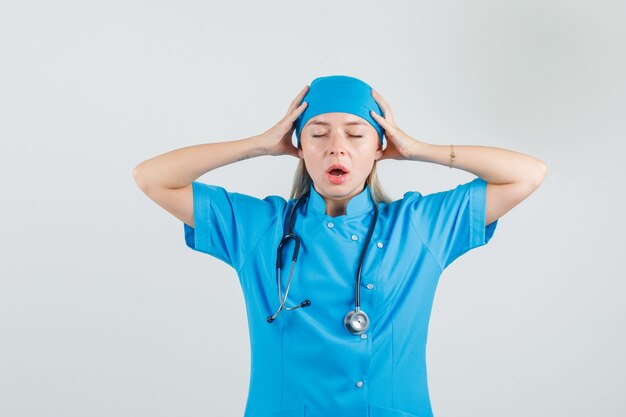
[(335, 166), (337, 180)]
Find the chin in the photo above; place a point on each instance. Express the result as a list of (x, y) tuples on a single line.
[(341, 189)]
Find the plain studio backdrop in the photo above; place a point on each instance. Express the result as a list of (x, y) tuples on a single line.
[(104, 311)]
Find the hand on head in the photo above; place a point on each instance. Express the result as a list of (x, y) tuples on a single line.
[(399, 144), (277, 140)]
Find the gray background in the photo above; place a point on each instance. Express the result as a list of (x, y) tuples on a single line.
[(105, 312)]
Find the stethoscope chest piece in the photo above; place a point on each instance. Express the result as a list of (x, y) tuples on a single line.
[(356, 321)]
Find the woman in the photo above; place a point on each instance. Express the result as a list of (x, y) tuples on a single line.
[(339, 280)]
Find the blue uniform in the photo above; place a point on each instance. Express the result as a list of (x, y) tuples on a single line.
[(306, 363)]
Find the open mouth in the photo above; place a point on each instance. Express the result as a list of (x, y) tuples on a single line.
[(337, 172)]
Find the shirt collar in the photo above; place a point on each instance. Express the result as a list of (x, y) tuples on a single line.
[(359, 204)]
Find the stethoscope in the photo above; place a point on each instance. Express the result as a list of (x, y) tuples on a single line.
[(356, 321)]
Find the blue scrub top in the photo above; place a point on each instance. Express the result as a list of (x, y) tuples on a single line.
[(306, 363)]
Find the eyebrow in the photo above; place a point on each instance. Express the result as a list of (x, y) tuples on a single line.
[(317, 122)]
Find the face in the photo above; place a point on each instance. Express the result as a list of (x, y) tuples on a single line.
[(344, 139)]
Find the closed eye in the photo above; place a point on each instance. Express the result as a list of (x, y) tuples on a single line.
[(354, 136)]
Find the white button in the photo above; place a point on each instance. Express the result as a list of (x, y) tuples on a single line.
[(363, 336), (330, 225), (354, 237), (370, 286), (379, 244), (359, 384)]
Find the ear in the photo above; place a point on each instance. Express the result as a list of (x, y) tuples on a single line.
[(379, 151), (300, 153)]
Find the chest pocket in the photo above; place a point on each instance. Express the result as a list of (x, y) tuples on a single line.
[(299, 411)]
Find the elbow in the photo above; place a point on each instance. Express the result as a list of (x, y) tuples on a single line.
[(539, 174), (136, 172), (137, 176)]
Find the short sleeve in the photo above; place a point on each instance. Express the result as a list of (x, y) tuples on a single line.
[(228, 225), (453, 222)]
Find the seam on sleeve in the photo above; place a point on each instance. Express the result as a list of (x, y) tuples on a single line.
[(269, 228), (472, 233), (251, 251), (425, 245), (212, 238), (202, 232), (477, 213), (475, 233)]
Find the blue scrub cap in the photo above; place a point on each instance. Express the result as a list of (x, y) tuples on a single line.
[(339, 93)]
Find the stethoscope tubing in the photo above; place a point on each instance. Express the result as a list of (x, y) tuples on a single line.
[(356, 321)]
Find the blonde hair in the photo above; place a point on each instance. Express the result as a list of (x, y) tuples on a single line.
[(302, 183)]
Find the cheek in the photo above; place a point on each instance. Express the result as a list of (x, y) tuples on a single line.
[(313, 164)]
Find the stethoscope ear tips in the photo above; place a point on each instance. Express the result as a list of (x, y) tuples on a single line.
[(270, 319), (305, 303)]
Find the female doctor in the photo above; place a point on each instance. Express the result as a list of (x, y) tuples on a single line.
[(339, 280)]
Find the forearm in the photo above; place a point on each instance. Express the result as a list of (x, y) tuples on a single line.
[(180, 167), (494, 165)]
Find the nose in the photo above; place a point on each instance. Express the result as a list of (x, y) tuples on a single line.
[(337, 143)]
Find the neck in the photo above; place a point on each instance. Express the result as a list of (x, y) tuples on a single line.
[(337, 206)]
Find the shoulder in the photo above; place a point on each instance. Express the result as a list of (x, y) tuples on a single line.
[(219, 199), (218, 191), (458, 192)]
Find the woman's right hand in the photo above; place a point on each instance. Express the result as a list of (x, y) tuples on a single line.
[(277, 140)]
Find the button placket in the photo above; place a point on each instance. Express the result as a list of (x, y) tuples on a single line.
[(349, 236), (372, 291), (379, 245)]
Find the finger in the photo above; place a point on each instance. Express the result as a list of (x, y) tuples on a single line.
[(381, 105), (381, 120), (299, 110), (384, 105), (294, 114), (380, 98), (390, 128), (297, 101)]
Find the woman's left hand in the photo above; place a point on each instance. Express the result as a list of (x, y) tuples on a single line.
[(399, 144)]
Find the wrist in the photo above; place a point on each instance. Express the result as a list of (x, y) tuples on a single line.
[(420, 151), (258, 145), (437, 154)]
